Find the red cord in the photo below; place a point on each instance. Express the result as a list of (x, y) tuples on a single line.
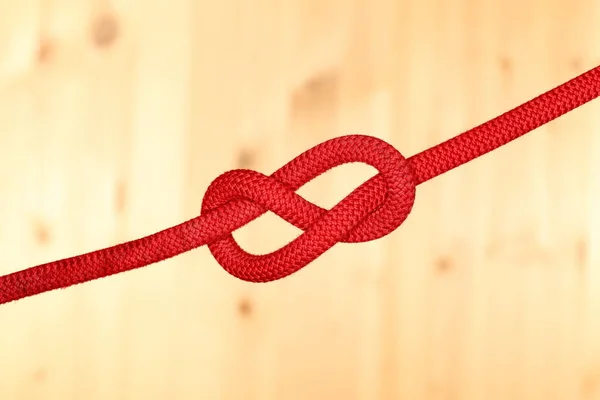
[(373, 210)]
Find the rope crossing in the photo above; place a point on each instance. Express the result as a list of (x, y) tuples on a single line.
[(373, 210)]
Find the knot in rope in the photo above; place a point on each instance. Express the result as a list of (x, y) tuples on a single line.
[(373, 210)]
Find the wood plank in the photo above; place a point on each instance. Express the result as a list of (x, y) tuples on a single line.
[(116, 116)]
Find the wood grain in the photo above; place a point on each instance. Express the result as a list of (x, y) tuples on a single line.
[(115, 116)]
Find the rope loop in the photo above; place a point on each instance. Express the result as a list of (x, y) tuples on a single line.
[(373, 210)]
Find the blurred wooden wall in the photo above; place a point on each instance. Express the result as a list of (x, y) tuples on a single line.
[(116, 116)]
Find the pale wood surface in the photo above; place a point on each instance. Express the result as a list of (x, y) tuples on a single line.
[(115, 117)]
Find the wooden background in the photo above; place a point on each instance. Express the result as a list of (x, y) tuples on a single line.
[(116, 116)]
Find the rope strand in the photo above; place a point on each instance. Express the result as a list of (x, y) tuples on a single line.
[(373, 210)]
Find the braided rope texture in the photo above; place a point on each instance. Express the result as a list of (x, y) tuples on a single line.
[(372, 211)]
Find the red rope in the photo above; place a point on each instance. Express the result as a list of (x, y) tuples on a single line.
[(373, 210)]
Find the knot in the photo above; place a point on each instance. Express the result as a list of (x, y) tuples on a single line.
[(373, 210)]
